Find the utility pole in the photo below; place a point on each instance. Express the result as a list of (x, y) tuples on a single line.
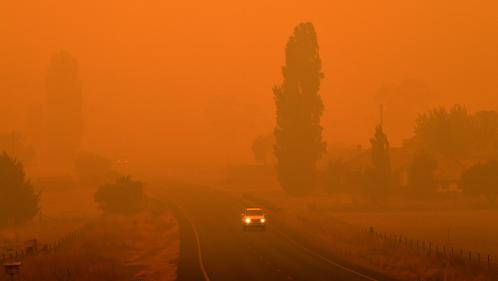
[(382, 115)]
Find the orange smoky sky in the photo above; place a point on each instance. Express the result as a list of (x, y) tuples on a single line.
[(186, 83)]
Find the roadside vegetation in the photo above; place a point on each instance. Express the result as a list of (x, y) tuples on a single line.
[(19, 203), (122, 233), (125, 196)]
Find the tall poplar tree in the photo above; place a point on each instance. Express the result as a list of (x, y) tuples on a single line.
[(298, 132), (64, 110)]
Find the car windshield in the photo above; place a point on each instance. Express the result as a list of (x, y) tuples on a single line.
[(254, 212)]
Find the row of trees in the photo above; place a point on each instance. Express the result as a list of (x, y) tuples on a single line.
[(457, 134), (480, 179), (452, 135)]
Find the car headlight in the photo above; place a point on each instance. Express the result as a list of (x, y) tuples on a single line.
[(263, 220), (248, 220)]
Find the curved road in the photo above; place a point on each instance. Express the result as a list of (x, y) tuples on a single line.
[(214, 248)]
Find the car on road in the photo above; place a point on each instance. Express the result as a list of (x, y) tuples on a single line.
[(253, 218)]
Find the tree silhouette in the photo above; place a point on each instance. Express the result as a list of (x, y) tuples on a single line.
[(481, 179), (262, 147), (378, 176), (64, 112), (298, 133), (421, 182), (457, 134), (124, 196), (18, 201)]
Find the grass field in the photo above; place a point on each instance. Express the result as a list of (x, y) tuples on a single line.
[(473, 230)]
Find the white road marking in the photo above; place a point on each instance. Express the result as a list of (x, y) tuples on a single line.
[(324, 258), (199, 252)]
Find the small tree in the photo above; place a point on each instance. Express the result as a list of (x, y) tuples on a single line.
[(18, 200), (482, 180), (378, 176), (125, 196), (421, 182)]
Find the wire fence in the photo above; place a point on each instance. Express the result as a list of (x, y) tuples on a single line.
[(33, 247), (442, 252)]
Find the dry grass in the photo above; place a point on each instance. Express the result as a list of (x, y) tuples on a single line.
[(475, 230), (317, 218), (62, 212), (140, 247), (349, 243), (112, 247)]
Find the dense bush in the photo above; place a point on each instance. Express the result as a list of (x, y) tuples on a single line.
[(18, 201), (125, 196), (482, 180)]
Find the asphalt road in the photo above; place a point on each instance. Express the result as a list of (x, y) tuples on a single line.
[(213, 246)]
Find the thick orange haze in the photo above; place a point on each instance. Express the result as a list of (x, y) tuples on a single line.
[(187, 83)]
